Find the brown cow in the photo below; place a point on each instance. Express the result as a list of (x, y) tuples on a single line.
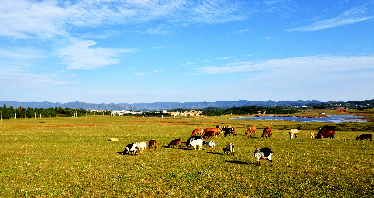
[(326, 132), (175, 142), (251, 130), (266, 132), (152, 144), (217, 131), (209, 134), (365, 137), (197, 131)]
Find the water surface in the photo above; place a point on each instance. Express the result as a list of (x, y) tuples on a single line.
[(327, 118)]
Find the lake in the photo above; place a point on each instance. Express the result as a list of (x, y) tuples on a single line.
[(326, 118)]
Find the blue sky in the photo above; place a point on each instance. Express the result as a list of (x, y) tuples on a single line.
[(131, 51)]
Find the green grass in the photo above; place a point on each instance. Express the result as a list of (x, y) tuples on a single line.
[(70, 157)]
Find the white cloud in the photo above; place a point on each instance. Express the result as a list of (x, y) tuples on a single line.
[(240, 31), (29, 19), (21, 53), (224, 58), (143, 74), (301, 78), (354, 15), (82, 55), (187, 64), (13, 80), (300, 65), (160, 70), (22, 19), (139, 74), (214, 11), (161, 30)]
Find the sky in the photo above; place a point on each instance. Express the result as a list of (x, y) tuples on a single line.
[(134, 51)]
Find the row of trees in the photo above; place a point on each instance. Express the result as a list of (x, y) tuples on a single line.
[(21, 112)]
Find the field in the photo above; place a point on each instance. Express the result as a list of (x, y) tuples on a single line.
[(71, 157)]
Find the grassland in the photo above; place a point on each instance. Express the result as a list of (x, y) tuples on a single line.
[(71, 157)]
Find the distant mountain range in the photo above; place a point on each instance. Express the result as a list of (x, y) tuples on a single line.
[(184, 105), (158, 105)]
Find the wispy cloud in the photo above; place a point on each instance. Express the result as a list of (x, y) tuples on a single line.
[(187, 64), (355, 15), (240, 31), (22, 19), (21, 53), (138, 74), (224, 58), (161, 30), (144, 73), (300, 65), (214, 11), (82, 55), (13, 80)]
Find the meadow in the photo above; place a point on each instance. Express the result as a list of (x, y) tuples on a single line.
[(71, 157)]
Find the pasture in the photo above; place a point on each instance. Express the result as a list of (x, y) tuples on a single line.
[(71, 157)]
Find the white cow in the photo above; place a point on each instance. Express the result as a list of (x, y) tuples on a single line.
[(196, 143), (131, 148), (294, 132), (142, 145), (210, 144)]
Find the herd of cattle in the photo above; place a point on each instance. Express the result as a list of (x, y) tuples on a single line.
[(196, 141)]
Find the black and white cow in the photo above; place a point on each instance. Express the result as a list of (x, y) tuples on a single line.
[(131, 148), (263, 153)]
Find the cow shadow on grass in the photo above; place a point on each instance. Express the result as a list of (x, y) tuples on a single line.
[(238, 162), (124, 153), (215, 153), (176, 147)]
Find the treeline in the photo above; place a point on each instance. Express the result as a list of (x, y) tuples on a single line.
[(20, 112), (211, 111)]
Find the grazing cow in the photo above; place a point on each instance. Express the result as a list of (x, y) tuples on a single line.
[(175, 142), (196, 143), (312, 134), (210, 144), (266, 132), (142, 146), (189, 140), (217, 131), (263, 153), (229, 149), (326, 132), (197, 131), (229, 130), (152, 144), (365, 137), (211, 132), (131, 148), (251, 130), (294, 132)]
